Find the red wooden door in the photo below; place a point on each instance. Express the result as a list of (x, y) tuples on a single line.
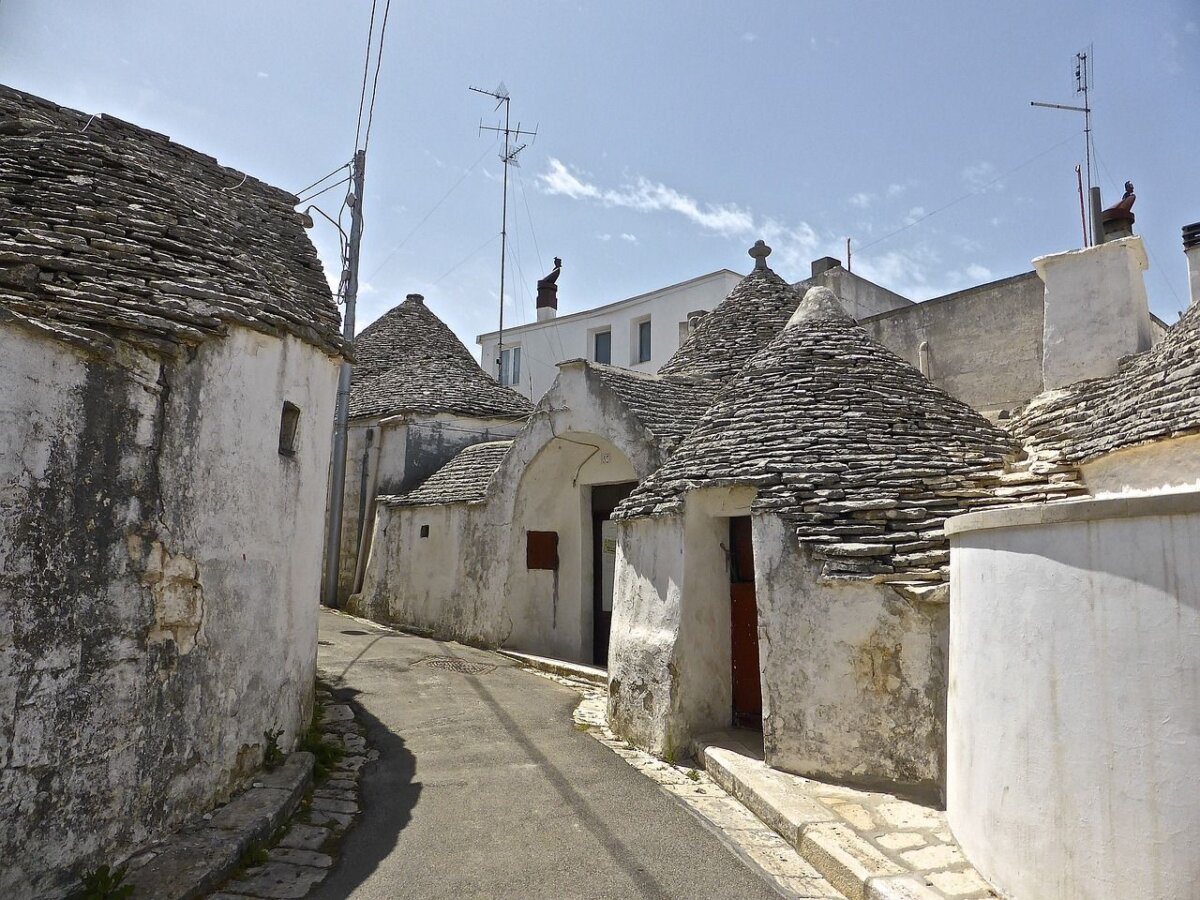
[(743, 610)]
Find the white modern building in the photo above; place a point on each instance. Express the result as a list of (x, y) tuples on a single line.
[(637, 333)]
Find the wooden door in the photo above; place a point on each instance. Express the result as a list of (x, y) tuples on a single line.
[(605, 498), (743, 610)]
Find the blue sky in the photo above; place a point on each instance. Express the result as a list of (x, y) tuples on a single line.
[(671, 135)]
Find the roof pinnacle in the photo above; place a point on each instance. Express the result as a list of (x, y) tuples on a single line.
[(760, 251)]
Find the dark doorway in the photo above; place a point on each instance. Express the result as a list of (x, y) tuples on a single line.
[(605, 498), (743, 615)]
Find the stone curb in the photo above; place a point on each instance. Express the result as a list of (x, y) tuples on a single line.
[(852, 864), (194, 861), (590, 674)]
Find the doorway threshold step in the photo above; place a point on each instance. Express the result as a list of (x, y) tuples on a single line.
[(592, 674)]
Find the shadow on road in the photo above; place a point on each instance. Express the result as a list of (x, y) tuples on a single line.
[(388, 794), (646, 884)]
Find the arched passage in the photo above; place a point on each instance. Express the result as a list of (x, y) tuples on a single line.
[(557, 593)]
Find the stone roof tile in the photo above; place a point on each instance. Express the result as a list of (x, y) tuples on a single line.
[(668, 406), (463, 479), (1155, 396), (860, 452), (743, 323), (408, 361), (111, 233)]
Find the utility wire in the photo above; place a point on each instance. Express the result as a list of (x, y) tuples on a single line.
[(330, 187), (362, 97), (319, 180), (967, 196), (425, 219), (467, 258), (375, 82)]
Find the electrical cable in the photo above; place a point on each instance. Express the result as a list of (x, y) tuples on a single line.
[(977, 191), (425, 219), (362, 97), (375, 82), (311, 197), (467, 258), (304, 190)]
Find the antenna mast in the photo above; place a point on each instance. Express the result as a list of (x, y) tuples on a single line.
[(1083, 84), (508, 158)]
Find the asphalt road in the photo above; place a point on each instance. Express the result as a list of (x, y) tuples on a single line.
[(484, 788)]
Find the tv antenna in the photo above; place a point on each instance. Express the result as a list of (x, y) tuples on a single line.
[(1083, 84), (508, 158)]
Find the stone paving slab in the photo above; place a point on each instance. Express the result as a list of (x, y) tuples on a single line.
[(870, 845), (197, 859)]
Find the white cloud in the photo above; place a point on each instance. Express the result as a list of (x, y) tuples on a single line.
[(895, 190), (862, 199), (626, 236), (979, 273), (914, 214), (604, 237), (645, 195), (749, 37), (794, 246), (982, 176), (262, 75)]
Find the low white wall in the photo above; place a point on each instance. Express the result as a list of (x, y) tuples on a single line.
[(1074, 707), (1153, 468), (159, 570), (854, 675)]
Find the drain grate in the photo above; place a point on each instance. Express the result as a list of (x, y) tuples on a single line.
[(450, 664)]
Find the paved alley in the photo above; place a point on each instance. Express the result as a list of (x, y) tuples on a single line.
[(484, 788)]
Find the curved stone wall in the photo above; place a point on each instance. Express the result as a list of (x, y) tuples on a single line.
[(1074, 705)]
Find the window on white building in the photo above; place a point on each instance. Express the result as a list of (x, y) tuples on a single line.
[(510, 366), (642, 345), (602, 347)]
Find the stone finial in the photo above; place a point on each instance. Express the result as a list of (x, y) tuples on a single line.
[(419, 299), (759, 252), (819, 303)]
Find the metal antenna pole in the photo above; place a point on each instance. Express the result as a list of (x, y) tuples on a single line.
[(508, 158), (1082, 85), (333, 543)]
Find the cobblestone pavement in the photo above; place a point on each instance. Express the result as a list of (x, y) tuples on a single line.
[(304, 849)]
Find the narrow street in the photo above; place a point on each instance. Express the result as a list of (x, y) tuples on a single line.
[(484, 788)]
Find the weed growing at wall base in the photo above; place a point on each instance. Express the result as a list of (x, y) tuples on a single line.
[(104, 883)]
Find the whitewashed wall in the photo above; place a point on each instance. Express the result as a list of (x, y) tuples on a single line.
[(1074, 708), (670, 675), (569, 336), (854, 675), (159, 566), (578, 437)]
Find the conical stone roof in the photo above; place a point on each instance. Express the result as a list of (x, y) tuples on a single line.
[(1155, 397), (845, 440), (409, 361), (110, 233), (742, 324)]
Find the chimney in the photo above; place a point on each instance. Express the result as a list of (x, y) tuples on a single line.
[(547, 294), (1117, 221), (824, 264), (1191, 249), (1095, 309)]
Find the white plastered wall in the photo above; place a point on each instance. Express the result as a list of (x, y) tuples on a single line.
[(1074, 709), (159, 566), (854, 675), (1166, 466), (670, 675)]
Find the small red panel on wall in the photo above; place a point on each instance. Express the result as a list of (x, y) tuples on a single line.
[(541, 549)]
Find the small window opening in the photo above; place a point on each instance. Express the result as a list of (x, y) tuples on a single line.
[(541, 549), (289, 422), (424, 531), (643, 342), (602, 347)]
